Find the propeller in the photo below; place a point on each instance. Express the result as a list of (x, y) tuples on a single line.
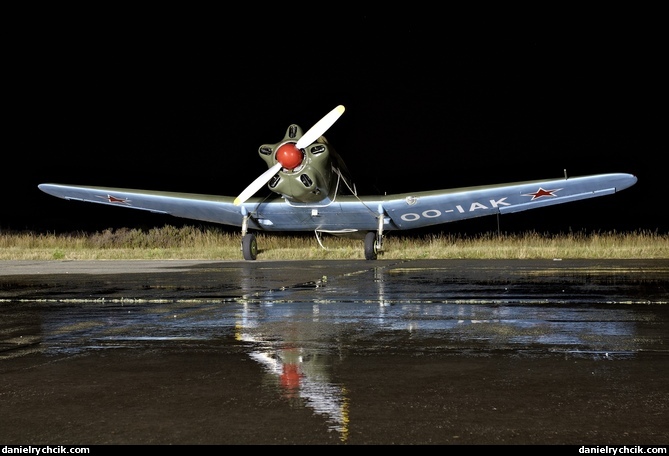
[(289, 155), (320, 127), (257, 184)]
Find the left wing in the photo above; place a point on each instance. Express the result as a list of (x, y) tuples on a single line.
[(435, 207), (352, 213)]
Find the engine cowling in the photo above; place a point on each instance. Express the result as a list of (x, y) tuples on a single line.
[(306, 174)]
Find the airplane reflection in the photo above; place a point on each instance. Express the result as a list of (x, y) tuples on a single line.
[(299, 335), (302, 374)]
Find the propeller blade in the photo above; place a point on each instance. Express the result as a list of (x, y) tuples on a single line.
[(320, 127), (257, 184), (308, 138)]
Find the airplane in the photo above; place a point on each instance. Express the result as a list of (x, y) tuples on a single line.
[(312, 191)]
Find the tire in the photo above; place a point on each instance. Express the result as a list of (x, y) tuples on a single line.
[(250, 246), (370, 246)]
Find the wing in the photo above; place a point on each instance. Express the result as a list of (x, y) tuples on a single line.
[(434, 207), (352, 213), (209, 208)]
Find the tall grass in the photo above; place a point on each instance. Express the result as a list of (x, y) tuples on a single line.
[(207, 243)]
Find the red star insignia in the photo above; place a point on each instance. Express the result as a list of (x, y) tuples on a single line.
[(541, 192), (113, 199)]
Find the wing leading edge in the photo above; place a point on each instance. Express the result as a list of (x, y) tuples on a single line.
[(349, 213), (209, 208), (435, 207)]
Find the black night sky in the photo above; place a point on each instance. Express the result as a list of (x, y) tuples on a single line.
[(427, 107)]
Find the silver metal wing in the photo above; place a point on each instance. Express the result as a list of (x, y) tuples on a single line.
[(352, 213)]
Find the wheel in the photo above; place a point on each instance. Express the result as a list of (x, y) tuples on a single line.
[(370, 246), (250, 246)]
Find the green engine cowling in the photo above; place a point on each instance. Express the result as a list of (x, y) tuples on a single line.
[(307, 178)]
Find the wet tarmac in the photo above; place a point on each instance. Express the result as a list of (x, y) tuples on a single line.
[(335, 352)]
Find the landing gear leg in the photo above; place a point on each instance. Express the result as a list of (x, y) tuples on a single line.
[(249, 242), (374, 241)]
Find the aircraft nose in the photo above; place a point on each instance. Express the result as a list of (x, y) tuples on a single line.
[(289, 156)]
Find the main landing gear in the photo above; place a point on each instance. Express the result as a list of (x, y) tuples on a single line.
[(249, 246), (374, 241), (370, 246), (249, 241)]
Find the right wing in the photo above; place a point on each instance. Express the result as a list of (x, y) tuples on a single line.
[(208, 208)]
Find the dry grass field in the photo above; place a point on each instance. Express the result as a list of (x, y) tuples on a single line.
[(191, 242)]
